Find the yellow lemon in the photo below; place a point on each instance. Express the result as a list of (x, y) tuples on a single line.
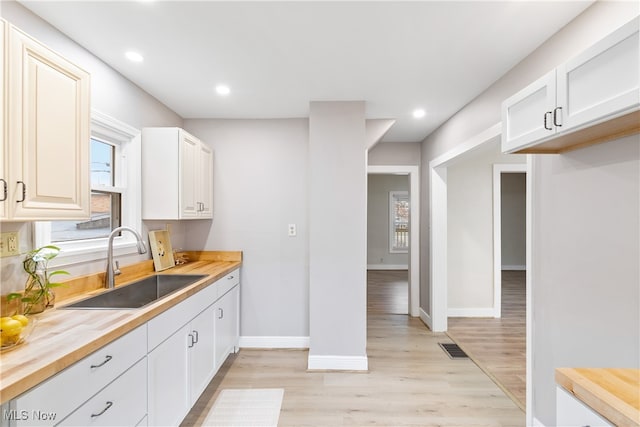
[(10, 327), (21, 318)]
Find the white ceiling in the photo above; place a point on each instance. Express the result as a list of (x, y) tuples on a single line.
[(278, 56)]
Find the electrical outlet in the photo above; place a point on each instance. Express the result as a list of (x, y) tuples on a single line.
[(292, 230), (9, 244)]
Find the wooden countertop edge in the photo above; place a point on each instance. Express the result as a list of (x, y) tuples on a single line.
[(599, 399), (125, 321)]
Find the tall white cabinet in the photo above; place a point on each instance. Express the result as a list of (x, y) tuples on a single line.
[(596, 92), (46, 129), (177, 175)]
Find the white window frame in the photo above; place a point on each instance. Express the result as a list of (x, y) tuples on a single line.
[(127, 141), (393, 195)]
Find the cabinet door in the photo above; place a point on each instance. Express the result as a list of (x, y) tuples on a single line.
[(4, 146), (168, 377), (48, 133), (206, 181), (189, 152), (202, 363), (226, 330), (602, 81), (527, 116)]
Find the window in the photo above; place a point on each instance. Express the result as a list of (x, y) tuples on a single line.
[(105, 199), (115, 179), (398, 221)]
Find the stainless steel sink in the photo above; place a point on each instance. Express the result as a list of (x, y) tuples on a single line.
[(137, 294)]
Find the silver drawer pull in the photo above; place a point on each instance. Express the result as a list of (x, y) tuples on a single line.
[(195, 337), (230, 278), (106, 360), (109, 405), (221, 311)]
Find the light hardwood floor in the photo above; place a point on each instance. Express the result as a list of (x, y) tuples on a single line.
[(411, 381), (498, 346)]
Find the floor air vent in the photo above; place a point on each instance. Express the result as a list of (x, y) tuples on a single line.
[(453, 351)]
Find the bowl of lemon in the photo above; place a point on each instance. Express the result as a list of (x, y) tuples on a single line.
[(14, 330)]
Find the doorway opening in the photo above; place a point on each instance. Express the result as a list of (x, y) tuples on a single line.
[(400, 249)]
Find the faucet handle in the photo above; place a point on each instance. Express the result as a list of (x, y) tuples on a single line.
[(117, 271)]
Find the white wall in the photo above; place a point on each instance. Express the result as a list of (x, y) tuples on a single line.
[(586, 288), (260, 185), (470, 230), (483, 112), (395, 153), (513, 197), (111, 94), (378, 188)]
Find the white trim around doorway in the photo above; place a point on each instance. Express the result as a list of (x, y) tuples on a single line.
[(414, 228)]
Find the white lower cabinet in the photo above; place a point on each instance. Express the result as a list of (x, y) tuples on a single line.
[(182, 362), (55, 399), (226, 324), (168, 380), (121, 403), (151, 376), (180, 369), (570, 412)]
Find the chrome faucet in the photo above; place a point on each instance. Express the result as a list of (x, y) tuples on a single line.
[(109, 278)]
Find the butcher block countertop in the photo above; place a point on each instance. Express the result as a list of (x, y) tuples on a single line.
[(63, 337), (613, 393)]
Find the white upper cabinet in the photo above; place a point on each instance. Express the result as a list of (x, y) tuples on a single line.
[(602, 80), (46, 132), (177, 175), (528, 115), (591, 98), (4, 185)]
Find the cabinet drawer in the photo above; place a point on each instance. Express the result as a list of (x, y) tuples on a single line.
[(64, 392), (165, 324), (121, 403), (227, 282)]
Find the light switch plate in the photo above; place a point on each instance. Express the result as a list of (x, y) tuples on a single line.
[(9, 244)]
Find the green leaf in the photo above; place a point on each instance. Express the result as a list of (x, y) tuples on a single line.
[(13, 296)]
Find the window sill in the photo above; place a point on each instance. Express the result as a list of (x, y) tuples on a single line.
[(92, 253)]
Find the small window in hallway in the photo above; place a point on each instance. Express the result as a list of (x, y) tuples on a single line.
[(398, 221)]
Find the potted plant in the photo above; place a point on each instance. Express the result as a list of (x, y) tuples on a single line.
[(37, 294)]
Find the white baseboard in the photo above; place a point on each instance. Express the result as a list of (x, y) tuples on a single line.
[(426, 319), (537, 423), (471, 312), (387, 267), (515, 267), (274, 342), (338, 363)]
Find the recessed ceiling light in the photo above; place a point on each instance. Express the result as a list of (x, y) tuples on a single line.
[(419, 113), (223, 90), (134, 56)]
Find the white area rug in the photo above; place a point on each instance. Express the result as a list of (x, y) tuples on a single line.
[(246, 407)]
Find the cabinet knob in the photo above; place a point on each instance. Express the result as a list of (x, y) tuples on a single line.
[(109, 405), (106, 360), (24, 191), (556, 115), (546, 115), (4, 190)]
